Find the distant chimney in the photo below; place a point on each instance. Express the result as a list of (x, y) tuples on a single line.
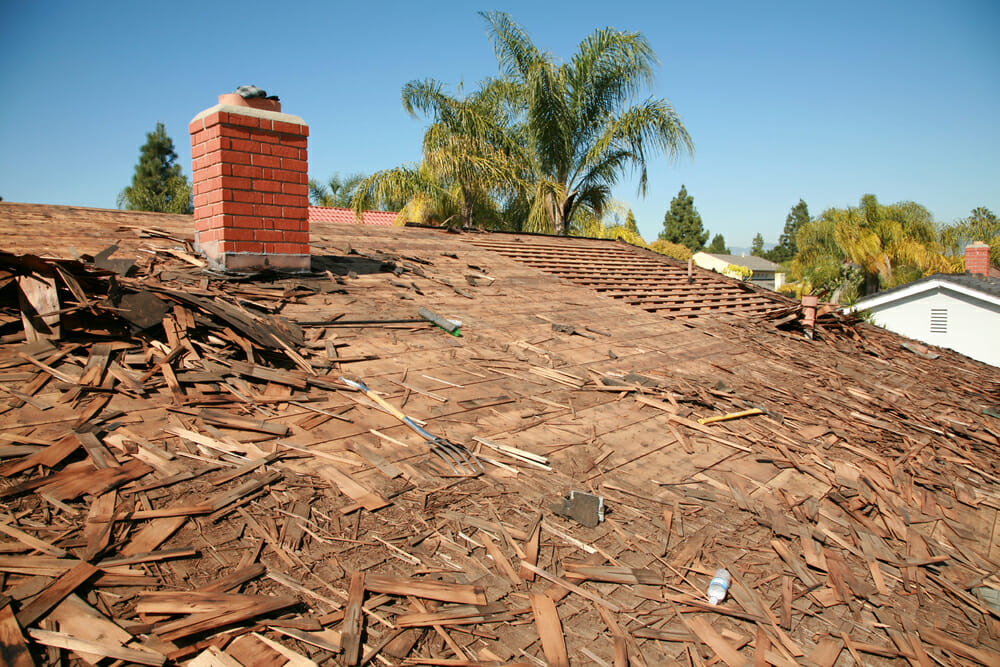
[(251, 192), (977, 258)]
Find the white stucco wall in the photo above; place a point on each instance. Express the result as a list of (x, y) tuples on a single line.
[(971, 324)]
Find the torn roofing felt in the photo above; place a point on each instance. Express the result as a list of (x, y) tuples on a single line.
[(208, 485)]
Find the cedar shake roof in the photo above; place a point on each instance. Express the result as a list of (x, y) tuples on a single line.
[(183, 469)]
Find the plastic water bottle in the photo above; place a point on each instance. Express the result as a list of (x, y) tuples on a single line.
[(719, 586)]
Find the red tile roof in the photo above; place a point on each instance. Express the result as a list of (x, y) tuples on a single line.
[(347, 216)]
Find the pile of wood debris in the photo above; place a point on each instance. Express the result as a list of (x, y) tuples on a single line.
[(185, 477)]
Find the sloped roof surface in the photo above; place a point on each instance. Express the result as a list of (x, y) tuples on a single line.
[(222, 481), (322, 214), (985, 284), (750, 261), (639, 277)]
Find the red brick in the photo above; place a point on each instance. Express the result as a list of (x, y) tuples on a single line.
[(238, 208), (245, 121), (242, 246), (248, 196), (247, 171), (286, 176), (303, 154), (295, 212), (268, 186), (294, 165), (291, 248), (266, 124), (266, 137), (268, 235), (217, 144), (208, 171), (265, 198), (196, 125), (234, 132), (266, 161), (236, 183), (295, 189), (234, 157), (294, 142), (245, 145), (200, 201), (289, 200), (285, 151), (265, 211), (296, 237), (216, 118), (197, 150), (214, 196), (291, 128)]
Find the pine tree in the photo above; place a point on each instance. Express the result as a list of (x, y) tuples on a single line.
[(682, 223), (157, 184), (630, 223), (757, 246), (718, 245), (787, 247)]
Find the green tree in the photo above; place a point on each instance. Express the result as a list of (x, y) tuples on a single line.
[(630, 223), (880, 245), (682, 223), (718, 245), (786, 248), (757, 246), (157, 184), (584, 125), (336, 192), (981, 225), (472, 158)]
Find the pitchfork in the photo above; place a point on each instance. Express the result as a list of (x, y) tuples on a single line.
[(458, 457)]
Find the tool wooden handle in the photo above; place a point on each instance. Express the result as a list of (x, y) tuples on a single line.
[(731, 415)]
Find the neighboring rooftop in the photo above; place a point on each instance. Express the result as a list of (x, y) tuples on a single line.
[(750, 261), (322, 214)]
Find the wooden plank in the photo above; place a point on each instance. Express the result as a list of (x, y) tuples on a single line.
[(77, 618), (431, 590), (571, 587), (353, 626), (549, 630), (63, 640), (31, 541), (39, 307), (55, 593), (13, 649), (708, 635), (353, 489)]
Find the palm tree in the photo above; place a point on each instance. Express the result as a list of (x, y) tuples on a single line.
[(336, 192), (582, 128), (887, 245), (472, 160)]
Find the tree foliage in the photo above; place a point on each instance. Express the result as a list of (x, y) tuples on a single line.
[(157, 184), (718, 246), (858, 250), (473, 163), (757, 245), (675, 250), (787, 243), (586, 123), (981, 225), (336, 192), (630, 223), (682, 223)]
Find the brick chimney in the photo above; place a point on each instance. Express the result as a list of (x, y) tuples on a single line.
[(251, 192), (977, 258)]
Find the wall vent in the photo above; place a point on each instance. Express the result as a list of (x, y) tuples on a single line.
[(939, 320)]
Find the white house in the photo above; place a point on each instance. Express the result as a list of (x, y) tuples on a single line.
[(956, 311), (765, 273)]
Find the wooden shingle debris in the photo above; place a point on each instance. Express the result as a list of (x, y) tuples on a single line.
[(827, 520)]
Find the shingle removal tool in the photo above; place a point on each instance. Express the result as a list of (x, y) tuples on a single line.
[(458, 457)]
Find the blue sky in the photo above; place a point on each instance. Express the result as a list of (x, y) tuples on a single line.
[(784, 100)]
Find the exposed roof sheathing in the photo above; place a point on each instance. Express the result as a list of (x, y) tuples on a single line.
[(208, 486)]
